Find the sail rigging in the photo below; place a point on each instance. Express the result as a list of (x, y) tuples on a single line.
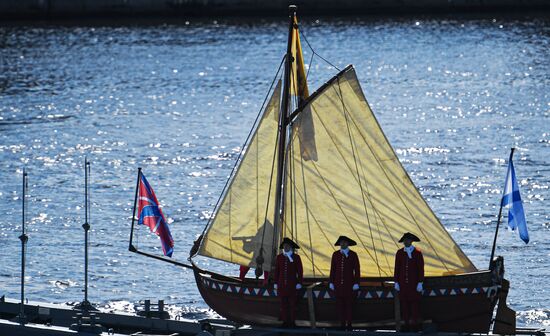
[(324, 170), (243, 223), (357, 187)]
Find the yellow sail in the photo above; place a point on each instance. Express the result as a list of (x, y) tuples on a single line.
[(356, 187), (298, 85), (239, 227), (300, 92)]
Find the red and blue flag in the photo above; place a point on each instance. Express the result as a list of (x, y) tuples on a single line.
[(150, 214)]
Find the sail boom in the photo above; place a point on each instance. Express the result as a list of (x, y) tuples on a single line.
[(317, 92)]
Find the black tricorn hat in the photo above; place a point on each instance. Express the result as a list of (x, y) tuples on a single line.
[(351, 242), (289, 241), (410, 236)]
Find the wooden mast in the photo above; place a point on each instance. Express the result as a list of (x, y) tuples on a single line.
[(283, 122)]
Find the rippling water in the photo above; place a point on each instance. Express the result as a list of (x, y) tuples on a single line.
[(452, 94)]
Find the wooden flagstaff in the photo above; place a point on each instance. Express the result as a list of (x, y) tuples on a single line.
[(499, 215), (131, 246)]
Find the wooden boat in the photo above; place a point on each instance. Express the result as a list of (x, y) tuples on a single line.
[(318, 166), (461, 303)]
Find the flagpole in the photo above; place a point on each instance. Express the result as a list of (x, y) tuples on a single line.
[(86, 305), (131, 246), (23, 237), (499, 215)]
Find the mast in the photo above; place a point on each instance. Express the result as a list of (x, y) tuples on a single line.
[(23, 237), (283, 122)]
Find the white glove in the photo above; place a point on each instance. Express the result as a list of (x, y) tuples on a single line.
[(356, 287), (419, 287), (396, 286), (331, 286), (274, 286), (298, 286)]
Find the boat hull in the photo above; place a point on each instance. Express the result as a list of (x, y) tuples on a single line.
[(463, 303)]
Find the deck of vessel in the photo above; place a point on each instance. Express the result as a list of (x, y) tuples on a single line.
[(48, 319)]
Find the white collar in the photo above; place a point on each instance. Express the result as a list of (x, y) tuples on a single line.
[(345, 251), (288, 255), (409, 251)]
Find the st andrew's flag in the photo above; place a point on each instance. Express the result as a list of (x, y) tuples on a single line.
[(150, 214), (512, 199)]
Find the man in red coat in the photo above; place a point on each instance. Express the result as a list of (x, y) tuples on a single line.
[(409, 277), (344, 279), (288, 280)]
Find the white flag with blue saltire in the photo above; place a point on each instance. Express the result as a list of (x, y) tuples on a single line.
[(512, 200)]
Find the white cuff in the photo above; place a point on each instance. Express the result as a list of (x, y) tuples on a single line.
[(274, 286), (331, 286), (419, 287), (356, 287), (396, 286), (298, 286)]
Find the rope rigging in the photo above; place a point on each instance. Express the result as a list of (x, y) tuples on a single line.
[(243, 147), (352, 146), (315, 53)]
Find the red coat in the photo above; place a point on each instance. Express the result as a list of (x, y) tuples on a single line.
[(408, 273), (344, 273), (288, 274)]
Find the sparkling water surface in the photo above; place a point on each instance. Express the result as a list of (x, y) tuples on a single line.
[(452, 94)]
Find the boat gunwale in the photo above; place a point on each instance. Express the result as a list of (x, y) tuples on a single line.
[(432, 281)]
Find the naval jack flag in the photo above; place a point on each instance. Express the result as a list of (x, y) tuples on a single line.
[(150, 214), (512, 200)]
